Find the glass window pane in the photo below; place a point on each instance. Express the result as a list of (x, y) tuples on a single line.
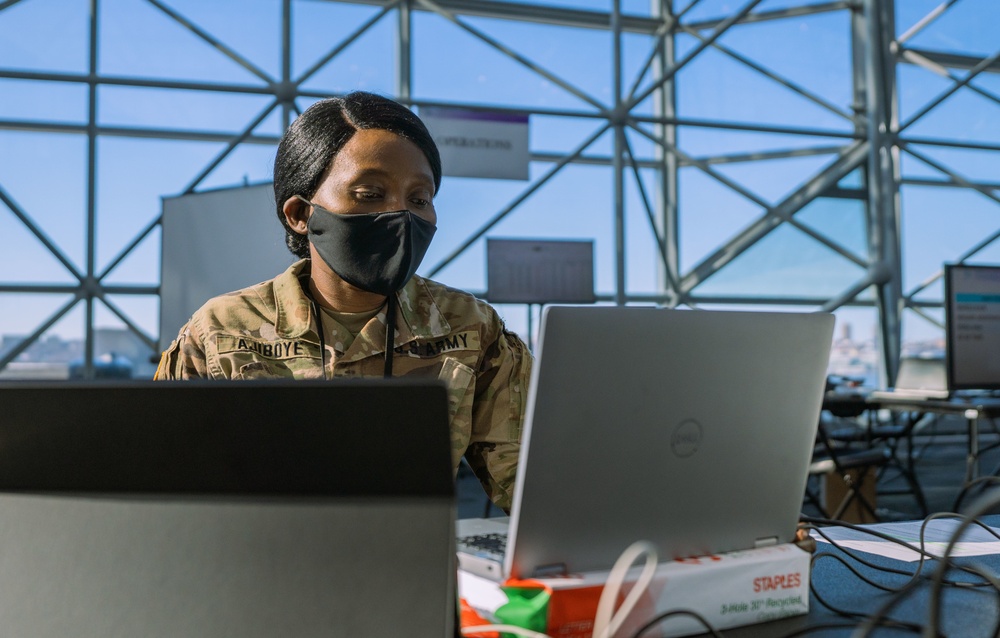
[(841, 220), (939, 225), (368, 63), (133, 176), (49, 356), (574, 204), (703, 142), (774, 179), (485, 75), (115, 343), (244, 165), (967, 27), (45, 175), (965, 116), (554, 134), (137, 39), (969, 164), (785, 263), (923, 336), (812, 52), (644, 260), (40, 101), (717, 88), (257, 40), (709, 215), (62, 48), (854, 179), (855, 351), (179, 109)]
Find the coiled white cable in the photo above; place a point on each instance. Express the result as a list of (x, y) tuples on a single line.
[(508, 629), (607, 621), (606, 624)]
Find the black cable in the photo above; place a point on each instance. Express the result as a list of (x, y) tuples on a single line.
[(677, 612), (322, 338), (390, 334), (982, 480), (888, 622), (850, 553), (811, 628), (919, 550), (879, 618), (982, 506), (937, 581), (875, 620), (862, 577)]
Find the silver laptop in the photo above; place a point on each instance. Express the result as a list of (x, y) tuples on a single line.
[(226, 509), (918, 378), (689, 429)]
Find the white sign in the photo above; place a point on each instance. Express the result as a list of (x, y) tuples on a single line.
[(479, 143), (215, 242), (539, 271)]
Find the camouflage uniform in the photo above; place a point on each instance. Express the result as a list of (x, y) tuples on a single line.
[(269, 331)]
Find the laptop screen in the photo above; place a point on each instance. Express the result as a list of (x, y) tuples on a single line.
[(922, 373), (689, 429), (225, 508)]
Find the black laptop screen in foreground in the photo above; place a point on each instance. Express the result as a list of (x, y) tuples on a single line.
[(972, 326), (348, 438), (226, 509)]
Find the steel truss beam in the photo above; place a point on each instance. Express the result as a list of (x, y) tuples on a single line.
[(872, 141)]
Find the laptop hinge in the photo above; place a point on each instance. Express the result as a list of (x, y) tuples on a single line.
[(767, 541), (550, 571)]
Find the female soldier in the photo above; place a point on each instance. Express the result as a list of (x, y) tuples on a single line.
[(354, 183)]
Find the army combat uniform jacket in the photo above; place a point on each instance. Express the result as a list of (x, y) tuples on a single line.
[(269, 330)]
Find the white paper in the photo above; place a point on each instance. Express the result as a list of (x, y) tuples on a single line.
[(975, 540)]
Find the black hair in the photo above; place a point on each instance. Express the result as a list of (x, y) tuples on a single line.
[(312, 141)]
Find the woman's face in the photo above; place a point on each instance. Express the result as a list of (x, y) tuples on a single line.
[(378, 171)]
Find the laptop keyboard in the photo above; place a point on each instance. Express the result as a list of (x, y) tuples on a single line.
[(495, 543)]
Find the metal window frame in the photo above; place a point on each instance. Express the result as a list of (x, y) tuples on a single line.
[(874, 143)]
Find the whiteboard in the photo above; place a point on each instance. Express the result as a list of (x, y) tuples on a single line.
[(215, 242)]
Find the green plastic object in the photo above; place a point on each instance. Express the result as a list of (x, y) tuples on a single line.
[(525, 607)]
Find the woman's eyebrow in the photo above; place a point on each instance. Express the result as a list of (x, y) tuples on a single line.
[(375, 171)]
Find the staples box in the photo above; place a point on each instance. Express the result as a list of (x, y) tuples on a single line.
[(728, 590)]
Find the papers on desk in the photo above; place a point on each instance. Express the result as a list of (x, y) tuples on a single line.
[(975, 541)]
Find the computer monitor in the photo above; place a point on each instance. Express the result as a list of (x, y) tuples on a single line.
[(972, 326), (226, 509)]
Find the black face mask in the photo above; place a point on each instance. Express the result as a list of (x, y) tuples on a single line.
[(377, 252)]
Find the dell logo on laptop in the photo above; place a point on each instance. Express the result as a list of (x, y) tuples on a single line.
[(686, 438)]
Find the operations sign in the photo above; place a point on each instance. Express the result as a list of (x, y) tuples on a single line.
[(479, 143)]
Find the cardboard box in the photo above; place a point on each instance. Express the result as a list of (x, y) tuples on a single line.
[(836, 488), (728, 590)]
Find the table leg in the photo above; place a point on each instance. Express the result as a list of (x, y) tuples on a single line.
[(972, 460)]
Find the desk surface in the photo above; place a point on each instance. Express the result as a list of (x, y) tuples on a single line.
[(964, 612), (985, 405)]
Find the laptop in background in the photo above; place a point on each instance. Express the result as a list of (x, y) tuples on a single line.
[(690, 429), (918, 378), (246, 509)]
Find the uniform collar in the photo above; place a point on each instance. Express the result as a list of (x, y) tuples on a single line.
[(417, 317), (417, 313), (294, 307)]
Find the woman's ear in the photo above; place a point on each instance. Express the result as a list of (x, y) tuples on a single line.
[(296, 214)]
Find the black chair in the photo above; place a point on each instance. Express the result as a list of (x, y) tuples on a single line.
[(894, 436), (846, 434), (851, 475)]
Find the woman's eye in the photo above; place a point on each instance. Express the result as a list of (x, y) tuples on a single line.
[(420, 202), (367, 194)]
